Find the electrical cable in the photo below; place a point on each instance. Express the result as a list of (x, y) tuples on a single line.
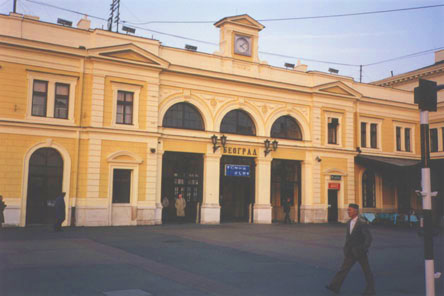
[(269, 53), (300, 18), (65, 9)]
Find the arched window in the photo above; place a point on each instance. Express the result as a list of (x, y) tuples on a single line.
[(238, 122), (368, 190), (183, 115), (286, 127)]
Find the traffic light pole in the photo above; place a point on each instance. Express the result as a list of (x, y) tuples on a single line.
[(427, 205)]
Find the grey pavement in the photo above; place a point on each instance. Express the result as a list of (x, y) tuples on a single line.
[(189, 259)]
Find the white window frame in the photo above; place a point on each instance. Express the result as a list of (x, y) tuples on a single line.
[(135, 89), (368, 122), (327, 116), (438, 126), (403, 126), (52, 79)]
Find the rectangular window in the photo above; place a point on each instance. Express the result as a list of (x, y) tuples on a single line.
[(442, 134), (61, 101), (373, 135), (124, 107), (398, 138), (332, 130), (39, 98), (121, 186), (407, 139), (363, 134), (434, 140)]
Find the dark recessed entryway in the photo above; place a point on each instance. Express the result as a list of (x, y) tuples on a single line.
[(44, 185), (182, 173), (237, 181)]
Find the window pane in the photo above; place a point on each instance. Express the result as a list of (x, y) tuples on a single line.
[(61, 108), (62, 89), (373, 135), (434, 140), (128, 96), (40, 86), (121, 186), (363, 134), (38, 105), (287, 128), (332, 132), (238, 122), (398, 138), (368, 190), (407, 139), (183, 115), (120, 96)]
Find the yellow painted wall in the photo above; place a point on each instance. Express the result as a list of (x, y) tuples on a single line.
[(12, 155), (387, 135), (83, 169), (330, 163), (109, 147), (87, 100), (13, 91), (184, 146), (108, 100), (287, 153)]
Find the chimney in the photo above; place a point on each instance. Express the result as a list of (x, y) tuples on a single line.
[(84, 23), (439, 56)]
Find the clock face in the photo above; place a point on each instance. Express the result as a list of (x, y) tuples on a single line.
[(242, 45)]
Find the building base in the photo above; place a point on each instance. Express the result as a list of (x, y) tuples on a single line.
[(262, 214), (210, 214), (314, 214)]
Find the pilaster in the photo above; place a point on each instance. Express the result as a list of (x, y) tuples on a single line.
[(210, 210), (262, 208)]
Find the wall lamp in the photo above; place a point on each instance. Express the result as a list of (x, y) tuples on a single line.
[(223, 141), (358, 149), (318, 159), (274, 146)]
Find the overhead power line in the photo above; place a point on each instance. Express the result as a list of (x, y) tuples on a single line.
[(299, 18), (270, 53)]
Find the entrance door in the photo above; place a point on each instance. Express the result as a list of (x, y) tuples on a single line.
[(236, 188), (332, 205), (182, 173), (44, 185), (285, 183)]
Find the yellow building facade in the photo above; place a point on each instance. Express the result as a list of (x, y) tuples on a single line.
[(124, 125)]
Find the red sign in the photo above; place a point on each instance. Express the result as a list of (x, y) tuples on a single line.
[(335, 186)]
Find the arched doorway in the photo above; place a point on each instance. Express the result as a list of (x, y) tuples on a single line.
[(45, 181)]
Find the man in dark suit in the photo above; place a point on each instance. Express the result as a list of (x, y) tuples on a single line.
[(357, 242)]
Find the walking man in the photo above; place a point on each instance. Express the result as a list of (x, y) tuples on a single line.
[(59, 211), (357, 242)]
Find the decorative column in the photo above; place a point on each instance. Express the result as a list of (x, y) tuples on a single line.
[(307, 189), (262, 206), (210, 209), (158, 210)]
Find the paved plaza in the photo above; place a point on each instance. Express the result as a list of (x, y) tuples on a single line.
[(226, 259)]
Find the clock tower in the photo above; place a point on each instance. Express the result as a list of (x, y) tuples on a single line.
[(239, 36)]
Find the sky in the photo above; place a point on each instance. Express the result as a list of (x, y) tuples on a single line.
[(340, 41)]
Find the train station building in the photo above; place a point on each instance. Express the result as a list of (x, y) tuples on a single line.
[(121, 122)]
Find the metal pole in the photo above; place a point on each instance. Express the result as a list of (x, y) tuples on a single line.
[(427, 205), (360, 73), (15, 6)]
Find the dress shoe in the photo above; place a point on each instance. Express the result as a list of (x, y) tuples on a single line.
[(328, 287)]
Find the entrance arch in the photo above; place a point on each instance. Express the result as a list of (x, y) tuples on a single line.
[(45, 182)]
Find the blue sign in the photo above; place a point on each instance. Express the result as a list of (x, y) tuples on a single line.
[(237, 170)]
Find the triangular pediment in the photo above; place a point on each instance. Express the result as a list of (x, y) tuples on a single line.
[(243, 20), (337, 88), (130, 53)]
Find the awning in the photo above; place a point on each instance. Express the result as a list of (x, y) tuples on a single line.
[(388, 163)]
